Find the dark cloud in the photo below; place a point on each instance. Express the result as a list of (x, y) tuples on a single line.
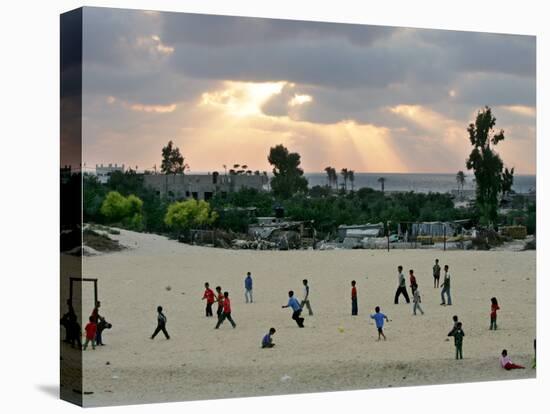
[(496, 89), (331, 63), (485, 52), (226, 31)]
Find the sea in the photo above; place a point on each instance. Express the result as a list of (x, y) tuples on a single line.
[(420, 183)]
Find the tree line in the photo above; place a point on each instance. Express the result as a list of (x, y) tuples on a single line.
[(125, 200)]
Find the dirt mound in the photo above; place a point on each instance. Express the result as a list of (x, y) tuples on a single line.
[(100, 242)]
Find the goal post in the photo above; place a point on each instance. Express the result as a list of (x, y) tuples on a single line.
[(82, 280)]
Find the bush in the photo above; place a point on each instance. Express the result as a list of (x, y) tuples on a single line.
[(184, 215), (126, 210)]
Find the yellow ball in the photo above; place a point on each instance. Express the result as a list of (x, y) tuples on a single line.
[(341, 330)]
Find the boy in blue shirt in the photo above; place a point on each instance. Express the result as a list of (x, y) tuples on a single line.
[(267, 341), (297, 309), (248, 288), (379, 319)]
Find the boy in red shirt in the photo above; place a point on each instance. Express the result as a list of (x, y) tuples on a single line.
[(353, 298), (219, 299), (226, 311), (91, 330), (494, 308), (209, 296)]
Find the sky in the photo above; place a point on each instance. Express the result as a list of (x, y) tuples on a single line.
[(367, 98)]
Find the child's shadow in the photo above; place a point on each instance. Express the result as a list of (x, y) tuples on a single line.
[(49, 389)]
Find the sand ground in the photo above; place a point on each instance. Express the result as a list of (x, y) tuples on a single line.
[(334, 352)]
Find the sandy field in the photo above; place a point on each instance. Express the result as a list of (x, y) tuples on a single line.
[(335, 351)]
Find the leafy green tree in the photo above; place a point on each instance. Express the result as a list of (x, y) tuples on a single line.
[(288, 176), (172, 160), (128, 182), (93, 195), (487, 165), (115, 207), (124, 210), (184, 215)]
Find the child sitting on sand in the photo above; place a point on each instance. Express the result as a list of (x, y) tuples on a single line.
[(458, 334), (494, 308), (91, 331), (379, 319), (506, 362), (267, 341)]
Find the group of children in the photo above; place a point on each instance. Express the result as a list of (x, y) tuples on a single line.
[(224, 309), (95, 327), (224, 303)]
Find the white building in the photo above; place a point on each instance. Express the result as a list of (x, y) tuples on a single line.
[(103, 172)]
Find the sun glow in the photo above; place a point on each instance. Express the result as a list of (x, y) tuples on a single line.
[(300, 100), (242, 99)]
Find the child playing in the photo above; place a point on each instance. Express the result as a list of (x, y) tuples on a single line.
[(458, 334), (161, 324), (455, 323), (446, 290), (379, 319), (416, 301), (219, 299), (296, 309), (91, 331), (494, 308), (226, 312), (436, 273), (412, 280), (267, 341), (305, 300), (248, 288), (506, 362), (209, 296), (353, 298)]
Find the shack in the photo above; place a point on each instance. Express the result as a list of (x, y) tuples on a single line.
[(360, 231), (287, 234)]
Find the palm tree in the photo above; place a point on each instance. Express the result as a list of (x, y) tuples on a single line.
[(345, 176), (334, 177), (351, 176), (460, 179), (328, 170), (382, 181)]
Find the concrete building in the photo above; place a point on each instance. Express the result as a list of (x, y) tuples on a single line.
[(202, 186), (103, 172)]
